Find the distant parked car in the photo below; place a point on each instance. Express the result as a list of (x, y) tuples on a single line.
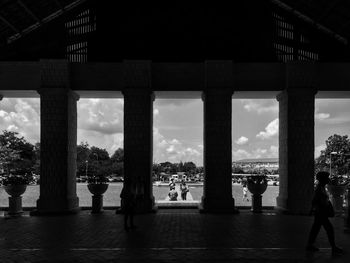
[(82, 179), (116, 179)]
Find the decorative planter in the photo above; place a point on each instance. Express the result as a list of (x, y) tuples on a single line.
[(15, 198), (97, 199), (257, 185), (337, 193)]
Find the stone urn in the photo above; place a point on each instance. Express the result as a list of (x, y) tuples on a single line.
[(15, 199), (257, 185), (337, 194), (97, 189)]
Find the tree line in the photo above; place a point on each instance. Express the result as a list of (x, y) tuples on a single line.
[(18, 156)]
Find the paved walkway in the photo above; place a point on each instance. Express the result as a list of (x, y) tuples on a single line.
[(170, 235)]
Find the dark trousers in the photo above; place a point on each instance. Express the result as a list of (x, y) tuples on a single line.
[(315, 229), (129, 214), (183, 196)]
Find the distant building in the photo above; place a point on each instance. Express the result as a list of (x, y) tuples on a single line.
[(246, 165)]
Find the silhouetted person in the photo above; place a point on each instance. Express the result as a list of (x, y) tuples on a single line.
[(173, 194), (322, 210), (128, 195), (184, 189), (245, 191), (171, 183)]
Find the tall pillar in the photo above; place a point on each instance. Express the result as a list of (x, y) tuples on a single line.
[(58, 106), (217, 97), (138, 131), (296, 141)]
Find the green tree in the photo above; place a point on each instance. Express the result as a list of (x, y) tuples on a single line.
[(118, 155), (22, 157), (36, 167), (117, 162), (83, 152), (189, 167), (340, 145)]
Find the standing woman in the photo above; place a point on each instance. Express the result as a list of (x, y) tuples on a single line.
[(128, 196), (323, 209), (184, 189)]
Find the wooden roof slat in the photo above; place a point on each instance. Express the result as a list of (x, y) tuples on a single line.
[(28, 10), (3, 19)]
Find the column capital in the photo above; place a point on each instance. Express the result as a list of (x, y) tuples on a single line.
[(138, 92), (137, 73), (218, 73), (55, 73), (302, 74), (55, 91), (296, 92), (218, 92)]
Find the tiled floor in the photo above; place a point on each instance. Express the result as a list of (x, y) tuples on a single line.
[(170, 235)]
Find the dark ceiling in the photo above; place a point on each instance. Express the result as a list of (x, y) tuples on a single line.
[(332, 14), (20, 17)]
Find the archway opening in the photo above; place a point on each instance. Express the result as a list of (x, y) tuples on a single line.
[(100, 151), (20, 144), (254, 145), (177, 148)]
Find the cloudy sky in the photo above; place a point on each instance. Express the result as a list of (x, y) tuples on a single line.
[(178, 125)]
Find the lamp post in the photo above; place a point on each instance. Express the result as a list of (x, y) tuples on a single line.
[(86, 167), (330, 162)]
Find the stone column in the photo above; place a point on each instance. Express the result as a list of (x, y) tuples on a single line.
[(58, 105), (217, 98), (138, 132), (296, 150)]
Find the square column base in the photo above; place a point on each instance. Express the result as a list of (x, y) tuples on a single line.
[(56, 206), (292, 207), (218, 206)]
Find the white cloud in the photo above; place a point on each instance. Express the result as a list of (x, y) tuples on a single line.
[(241, 154), (273, 151), (270, 130), (260, 105), (318, 150), (175, 142), (321, 116), (22, 116), (242, 140), (173, 150), (259, 153), (339, 120), (103, 116)]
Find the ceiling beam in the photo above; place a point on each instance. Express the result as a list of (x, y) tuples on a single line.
[(46, 19), (28, 10), (3, 19)]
